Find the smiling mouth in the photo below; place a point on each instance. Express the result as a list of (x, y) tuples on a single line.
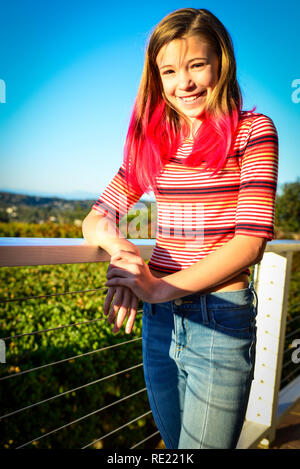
[(191, 99)]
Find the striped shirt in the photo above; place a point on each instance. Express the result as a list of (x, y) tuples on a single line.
[(198, 213)]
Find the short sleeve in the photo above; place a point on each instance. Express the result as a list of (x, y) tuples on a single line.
[(117, 198), (258, 184)]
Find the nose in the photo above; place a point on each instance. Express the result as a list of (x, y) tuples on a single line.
[(185, 80)]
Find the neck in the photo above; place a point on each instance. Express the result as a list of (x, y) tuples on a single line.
[(195, 125)]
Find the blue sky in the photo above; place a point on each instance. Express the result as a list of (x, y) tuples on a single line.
[(70, 71)]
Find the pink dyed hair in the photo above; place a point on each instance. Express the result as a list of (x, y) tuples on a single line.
[(156, 129)]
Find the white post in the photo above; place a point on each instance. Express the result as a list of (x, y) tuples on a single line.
[(272, 287)]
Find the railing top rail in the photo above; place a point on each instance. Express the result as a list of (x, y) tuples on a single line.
[(36, 242), (49, 251), (283, 244)]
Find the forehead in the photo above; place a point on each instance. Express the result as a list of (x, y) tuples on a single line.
[(183, 49)]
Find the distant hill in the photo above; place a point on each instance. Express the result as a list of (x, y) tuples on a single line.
[(73, 195), (8, 198), (39, 209), (36, 209)]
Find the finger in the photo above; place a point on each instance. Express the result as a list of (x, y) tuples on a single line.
[(108, 299), (132, 314), (122, 266), (114, 265), (120, 272), (119, 281), (123, 311), (117, 302)]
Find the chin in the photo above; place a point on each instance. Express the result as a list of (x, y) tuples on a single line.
[(196, 115)]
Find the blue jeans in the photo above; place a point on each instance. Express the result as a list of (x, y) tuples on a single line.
[(199, 354)]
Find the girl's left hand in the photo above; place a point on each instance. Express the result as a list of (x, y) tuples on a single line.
[(130, 270)]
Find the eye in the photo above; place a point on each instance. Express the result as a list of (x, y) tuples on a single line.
[(198, 65), (167, 72)]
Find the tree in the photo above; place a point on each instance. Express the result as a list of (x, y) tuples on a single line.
[(287, 215)]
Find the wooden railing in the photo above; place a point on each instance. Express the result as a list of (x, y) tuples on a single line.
[(269, 400)]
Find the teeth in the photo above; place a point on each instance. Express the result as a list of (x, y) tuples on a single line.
[(191, 98)]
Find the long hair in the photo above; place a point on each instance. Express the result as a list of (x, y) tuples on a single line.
[(156, 129)]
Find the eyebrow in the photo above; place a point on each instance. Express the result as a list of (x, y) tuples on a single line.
[(191, 60)]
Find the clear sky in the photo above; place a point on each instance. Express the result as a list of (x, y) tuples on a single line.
[(70, 70)]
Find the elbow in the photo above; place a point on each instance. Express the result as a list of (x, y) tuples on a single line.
[(88, 229), (83, 227), (84, 230), (260, 252), (254, 246), (259, 257)]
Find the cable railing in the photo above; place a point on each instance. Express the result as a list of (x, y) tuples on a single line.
[(31, 405), (80, 419), (58, 362), (72, 390), (275, 372)]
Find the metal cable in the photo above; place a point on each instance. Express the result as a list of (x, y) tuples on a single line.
[(81, 418), (286, 350), (50, 329), (52, 294), (148, 438), (55, 328), (292, 333), (292, 320), (70, 358), (67, 392), (117, 429), (286, 364), (290, 374), (294, 306)]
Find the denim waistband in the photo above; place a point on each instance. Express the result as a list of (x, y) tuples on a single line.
[(215, 299)]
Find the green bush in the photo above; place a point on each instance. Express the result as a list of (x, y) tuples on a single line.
[(31, 351), (43, 230)]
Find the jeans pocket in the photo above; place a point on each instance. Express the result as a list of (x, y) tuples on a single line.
[(241, 319)]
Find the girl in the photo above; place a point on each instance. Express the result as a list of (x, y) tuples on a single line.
[(213, 168)]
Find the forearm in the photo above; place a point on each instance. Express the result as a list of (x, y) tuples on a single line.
[(218, 267), (100, 231)]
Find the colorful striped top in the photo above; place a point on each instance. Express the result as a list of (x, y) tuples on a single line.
[(198, 213)]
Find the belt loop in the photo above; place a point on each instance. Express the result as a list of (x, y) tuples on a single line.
[(204, 309), (152, 309), (149, 308), (251, 287)]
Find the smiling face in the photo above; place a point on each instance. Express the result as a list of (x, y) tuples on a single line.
[(188, 69)]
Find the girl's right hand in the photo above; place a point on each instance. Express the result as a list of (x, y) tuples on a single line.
[(124, 300)]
